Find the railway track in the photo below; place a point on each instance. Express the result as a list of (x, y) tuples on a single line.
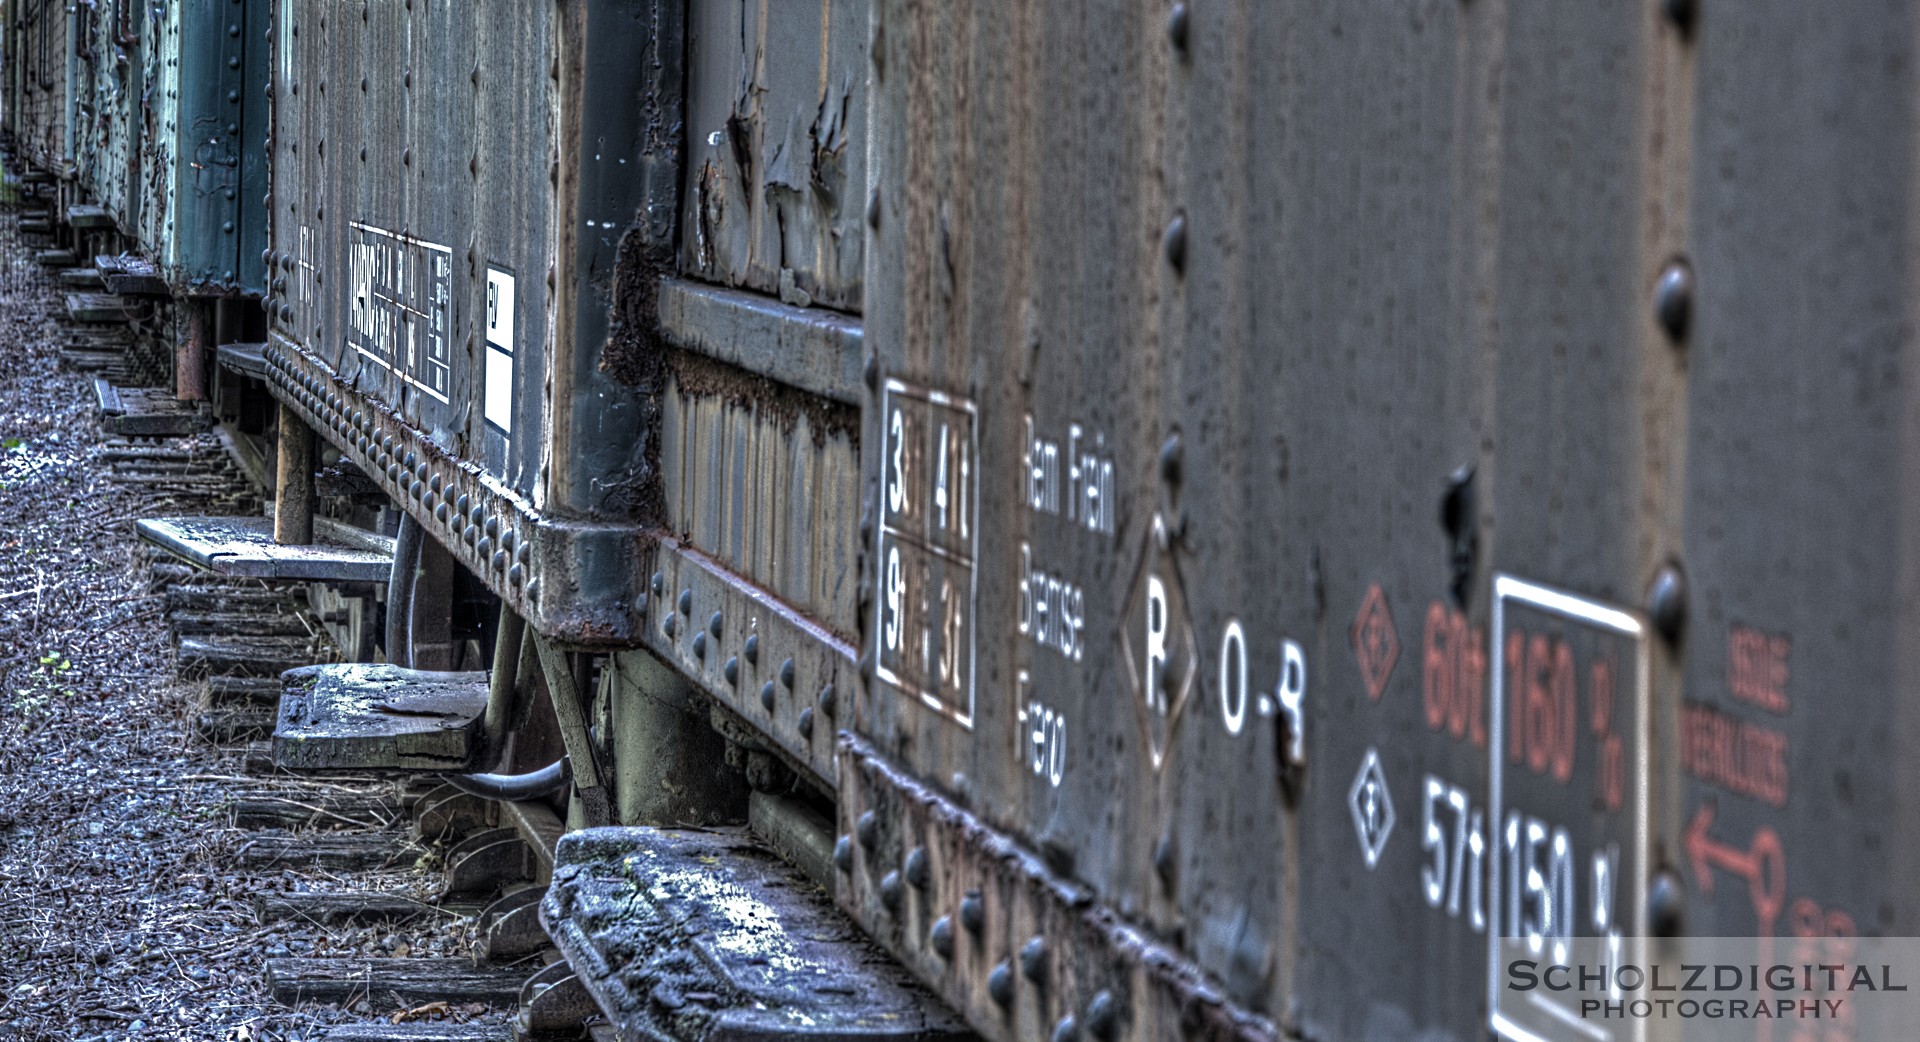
[(160, 877)]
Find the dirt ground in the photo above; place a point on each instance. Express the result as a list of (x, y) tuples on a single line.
[(119, 915)]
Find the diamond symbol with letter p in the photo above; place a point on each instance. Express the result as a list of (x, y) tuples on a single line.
[(1372, 807)]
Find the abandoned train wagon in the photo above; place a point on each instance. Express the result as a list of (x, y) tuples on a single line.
[(1186, 519)]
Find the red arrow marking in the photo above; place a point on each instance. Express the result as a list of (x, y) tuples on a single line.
[(1763, 866)]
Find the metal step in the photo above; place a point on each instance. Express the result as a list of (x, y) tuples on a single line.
[(245, 359), (133, 276), (90, 218), (361, 716), (97, 307), (696, 935), (145, 412), (245, 546), (54, 258), (83, 278)]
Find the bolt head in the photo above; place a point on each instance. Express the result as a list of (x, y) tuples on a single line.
[(973, 912), (1000, 984), (1673, 299), (700, 646), (786, 674), (843, 853), (1103, 1016), (1033, 960), (714, 622), (1667, 603), (941, 936), (829, 702), (868, 829), (766, 696), (731, 670), (752, 649), (1171, 454), (917, 870), (1664, 899), (686, 602), (804, 722), (1174, 243), (892, 891)]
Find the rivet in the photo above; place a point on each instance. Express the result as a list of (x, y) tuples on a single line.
[(828, 701), (843, 853), (428, 501), (786, 674), (1103, 1015), (493, 526), (671, 626), (464, 501), (973, 912), (868, 829), (500, 565), (700, 646), (804, 722), (873, 209), (1163, 859), (639, 603), (766, 696), (891, 891), (917, 871), (1177, 28), (659, 584), (752, 649), (1174, 243), (1066, 1030), (516, 574), (1171, 452), (714, 623), (1000, 984), (483, 549), (440, 513), (1667, 602), (1673, 299), (731, 669), (1033, 960), (870, 371), (686, 602), (941, 936)]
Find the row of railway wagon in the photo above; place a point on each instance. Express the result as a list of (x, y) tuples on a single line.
[(1116, 520)]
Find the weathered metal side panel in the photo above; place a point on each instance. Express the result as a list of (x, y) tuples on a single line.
[(776, 150), (198, 174), (1241, 411), (107, 137), (1797, 720), (380, 190), (47, 49), (218, 173)]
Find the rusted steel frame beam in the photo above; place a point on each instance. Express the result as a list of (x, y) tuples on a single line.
[(190, 350), (293, 481), (1019, 951), (588, 779), (811, 349), (779, 670)]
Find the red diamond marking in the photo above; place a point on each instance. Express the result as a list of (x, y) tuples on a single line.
[(1375, 644)]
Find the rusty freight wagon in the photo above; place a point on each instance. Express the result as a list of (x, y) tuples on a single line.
[(1182, 519)]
